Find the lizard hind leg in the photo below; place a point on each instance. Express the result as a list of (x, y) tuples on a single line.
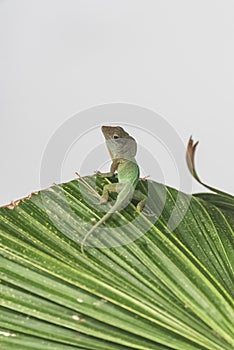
[(141, 198), (107, 189)]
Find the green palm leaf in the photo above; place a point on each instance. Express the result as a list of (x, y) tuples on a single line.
[(165, 290)]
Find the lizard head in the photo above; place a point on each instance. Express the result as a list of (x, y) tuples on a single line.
[(119, 143)]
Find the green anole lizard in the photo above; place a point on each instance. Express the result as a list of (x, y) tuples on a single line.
[(122, 148)]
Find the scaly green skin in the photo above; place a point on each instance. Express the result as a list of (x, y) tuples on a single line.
[(122, 148)]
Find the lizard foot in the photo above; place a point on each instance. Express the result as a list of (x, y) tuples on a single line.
[(102, 201)]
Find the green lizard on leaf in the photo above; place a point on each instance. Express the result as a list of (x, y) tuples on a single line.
[(122, 148)]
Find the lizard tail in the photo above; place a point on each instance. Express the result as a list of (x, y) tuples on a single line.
[(123, 198), (103, 219)]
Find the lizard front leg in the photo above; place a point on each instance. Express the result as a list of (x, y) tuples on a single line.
[(113, 168)]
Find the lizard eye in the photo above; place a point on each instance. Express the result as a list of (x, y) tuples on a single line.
[(116, 137)]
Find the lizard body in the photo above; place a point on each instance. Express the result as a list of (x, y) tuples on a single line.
[(122, 148)]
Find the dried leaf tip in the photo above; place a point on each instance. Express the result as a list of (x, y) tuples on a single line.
[(190, 156), (15, 203)]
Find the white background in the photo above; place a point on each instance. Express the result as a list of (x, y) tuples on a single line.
[(62, 56)]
